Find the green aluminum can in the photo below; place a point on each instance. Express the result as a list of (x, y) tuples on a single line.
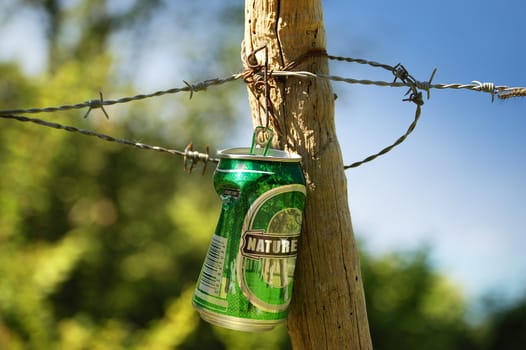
[(248, 273)]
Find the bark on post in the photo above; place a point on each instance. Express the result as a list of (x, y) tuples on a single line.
[(328, 306)]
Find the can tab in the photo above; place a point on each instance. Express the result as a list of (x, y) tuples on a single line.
[(261, 139)]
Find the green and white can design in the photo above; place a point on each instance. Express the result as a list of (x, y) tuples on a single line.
[(269, 244), (247, 278)]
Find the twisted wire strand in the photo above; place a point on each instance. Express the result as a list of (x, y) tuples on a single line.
[(513, 92), (189, 153), (390, 147), (99, 103), (360, 61), (503, 90)]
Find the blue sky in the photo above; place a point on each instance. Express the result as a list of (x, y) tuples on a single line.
[(456, 184)]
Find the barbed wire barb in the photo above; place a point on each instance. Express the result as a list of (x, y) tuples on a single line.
[(94, 104), (194, 157), (486, 87), (426, 85)]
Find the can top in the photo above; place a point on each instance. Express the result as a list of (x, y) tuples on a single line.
[(274, 155)]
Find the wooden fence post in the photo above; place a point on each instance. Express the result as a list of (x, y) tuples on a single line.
[(328, 307)]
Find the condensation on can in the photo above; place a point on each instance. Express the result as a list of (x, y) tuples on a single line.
[(247, 277)]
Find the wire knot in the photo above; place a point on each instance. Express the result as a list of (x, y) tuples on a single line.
[(200, 86), (486, 87), (415, 97), (255, 74), (426, 85), (194, 157), (401, 73), (96, 104)]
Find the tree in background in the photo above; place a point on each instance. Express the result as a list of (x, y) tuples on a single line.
[(506, 329), (411, 306)]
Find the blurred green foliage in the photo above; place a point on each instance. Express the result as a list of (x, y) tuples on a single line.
[(100, 245), (410, 306)]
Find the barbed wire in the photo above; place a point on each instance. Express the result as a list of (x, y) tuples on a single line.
[(258, 76), (191, 157), (255, 74), (101, 102)]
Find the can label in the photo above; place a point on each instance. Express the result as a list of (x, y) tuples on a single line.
[(213, 266), (247, 278), (269, 244)]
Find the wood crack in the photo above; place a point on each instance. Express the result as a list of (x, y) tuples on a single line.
[(276, 30)]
